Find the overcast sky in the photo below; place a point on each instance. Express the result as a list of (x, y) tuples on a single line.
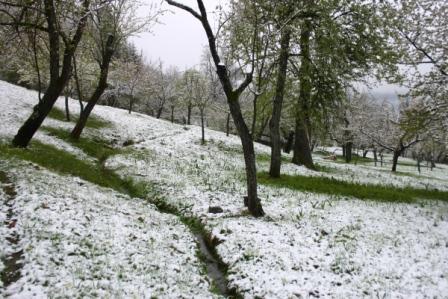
[(180, 40)]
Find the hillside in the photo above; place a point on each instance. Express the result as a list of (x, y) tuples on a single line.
[(125, 213)]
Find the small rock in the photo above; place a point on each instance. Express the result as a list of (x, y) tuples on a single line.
[(128, 142), (215, 210)]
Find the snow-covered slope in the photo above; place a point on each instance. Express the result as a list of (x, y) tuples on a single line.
[(309, 245)]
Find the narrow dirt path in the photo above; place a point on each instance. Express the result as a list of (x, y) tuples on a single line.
[(12, 261)]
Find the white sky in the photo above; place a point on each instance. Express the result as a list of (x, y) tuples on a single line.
[(180, 40)]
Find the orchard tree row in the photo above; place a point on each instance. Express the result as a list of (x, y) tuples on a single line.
[(286, 73)]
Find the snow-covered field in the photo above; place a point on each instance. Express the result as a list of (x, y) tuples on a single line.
[(78, 237)]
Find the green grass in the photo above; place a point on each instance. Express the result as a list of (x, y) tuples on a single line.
[(96, 147), (267, 158), (362, 191), (94, 122), (47, 156)]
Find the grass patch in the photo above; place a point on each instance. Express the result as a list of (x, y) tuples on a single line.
[(94, 122), (332, 186), (267, 158), (96, 147), (47, 156)]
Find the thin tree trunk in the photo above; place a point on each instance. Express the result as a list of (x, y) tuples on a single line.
[(159, 112), (36, 63), (254, 117), (78, 85), (67, 109), (289, 142), (189, 108), (253, 202), (228, 124), (131, 104), (375, 157), (397, 154), (274, 124), (172, 114), (364, 153), (202, 125), (99, 90)]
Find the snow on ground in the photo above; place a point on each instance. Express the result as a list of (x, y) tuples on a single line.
[(84, 241), (307, 246)]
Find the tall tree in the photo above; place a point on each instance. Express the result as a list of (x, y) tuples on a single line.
[(60, 41), (111, 26), (233, 95)]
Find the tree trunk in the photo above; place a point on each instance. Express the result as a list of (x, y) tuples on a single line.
[(397, 154), (375, 157), (289, 142), (131, 104), (254, 117), (348, 152), (253, 202), (202, 126), (159, 112), (302, 151), (228, 124), (172, 114), (67, 109), (189, 108), (274, 124), (364, 153), (59, 76), (99, 90), (40, 112)]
